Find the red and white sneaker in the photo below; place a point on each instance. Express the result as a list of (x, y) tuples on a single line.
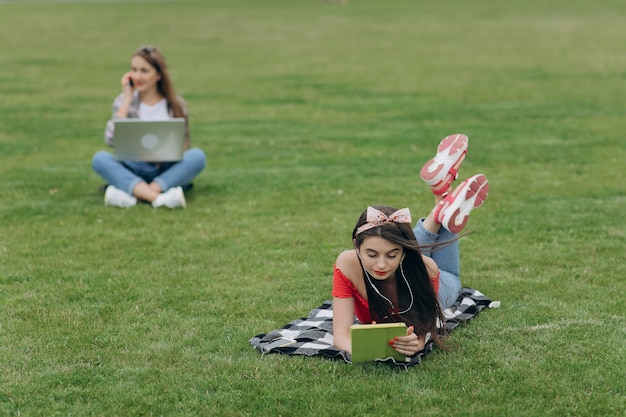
[(453, 211), (440, 171)]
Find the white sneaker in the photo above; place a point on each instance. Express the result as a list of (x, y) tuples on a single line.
[(118, 198), (172, 198), (440, 171), (454, 210)]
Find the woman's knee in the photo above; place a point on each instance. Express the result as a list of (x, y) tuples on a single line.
[(196, 158), (99, 160)]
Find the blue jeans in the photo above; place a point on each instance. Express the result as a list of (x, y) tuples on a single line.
[(448, 260), (125, 175)]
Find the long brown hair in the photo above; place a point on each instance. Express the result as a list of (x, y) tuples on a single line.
[(425, 311), (154, 57)]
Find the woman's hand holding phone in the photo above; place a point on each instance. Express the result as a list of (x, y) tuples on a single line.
[(127, 92), (127, 84)]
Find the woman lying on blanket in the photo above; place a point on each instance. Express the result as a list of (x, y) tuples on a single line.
[(399, 274)]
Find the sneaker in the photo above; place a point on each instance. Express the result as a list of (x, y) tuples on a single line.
[(453, 211), (440, 171), (115, 197), (172, 198)]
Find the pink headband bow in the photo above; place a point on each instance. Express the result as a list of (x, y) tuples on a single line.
[(378, 218)]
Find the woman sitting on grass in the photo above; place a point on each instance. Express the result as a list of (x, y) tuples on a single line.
[(399, 274), (147, 94)]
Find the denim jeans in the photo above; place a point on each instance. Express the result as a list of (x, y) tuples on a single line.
[(125, 175), (447, 258)]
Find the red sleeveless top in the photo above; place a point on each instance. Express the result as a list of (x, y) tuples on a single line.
[(344, 288)]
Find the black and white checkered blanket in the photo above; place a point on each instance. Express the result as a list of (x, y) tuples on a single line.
[(314, 334)]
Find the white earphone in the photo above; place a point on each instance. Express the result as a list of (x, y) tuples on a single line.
[(369, 280)]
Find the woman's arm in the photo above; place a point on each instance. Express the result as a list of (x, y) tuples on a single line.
[(127, 95), (119, 106), (343, 318), (431, 266)]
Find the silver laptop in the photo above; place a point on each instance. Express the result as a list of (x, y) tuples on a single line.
[(149, 140)]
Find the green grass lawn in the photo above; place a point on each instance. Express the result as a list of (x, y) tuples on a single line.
[(308, 112)]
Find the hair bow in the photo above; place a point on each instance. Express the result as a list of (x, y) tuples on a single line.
[(376, 218)]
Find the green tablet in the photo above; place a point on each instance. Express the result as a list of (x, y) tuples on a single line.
[(371, 341)]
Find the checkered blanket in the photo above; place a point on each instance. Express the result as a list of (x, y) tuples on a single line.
[(313, 335)]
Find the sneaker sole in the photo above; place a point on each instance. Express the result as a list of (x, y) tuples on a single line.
[(456, 208), (450, 155)]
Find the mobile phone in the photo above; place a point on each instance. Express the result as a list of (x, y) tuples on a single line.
[(130, 82)]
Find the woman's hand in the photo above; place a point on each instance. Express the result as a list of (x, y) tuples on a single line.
[(127, 87), (127, 91), (343, 318), (408, 345)]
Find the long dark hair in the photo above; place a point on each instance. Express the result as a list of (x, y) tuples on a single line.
[(154, 57), (425, 311)]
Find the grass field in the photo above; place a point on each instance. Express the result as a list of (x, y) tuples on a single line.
[(309, 111)]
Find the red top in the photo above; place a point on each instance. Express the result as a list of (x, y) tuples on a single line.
[(344, 288)]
